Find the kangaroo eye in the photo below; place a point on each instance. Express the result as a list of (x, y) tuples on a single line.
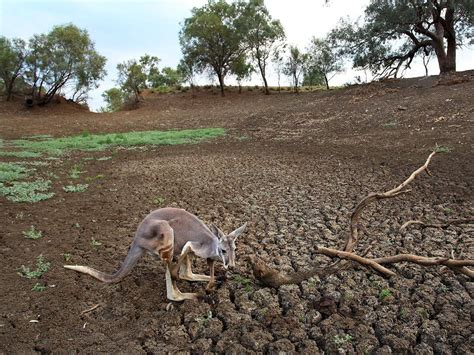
[(224, 251)]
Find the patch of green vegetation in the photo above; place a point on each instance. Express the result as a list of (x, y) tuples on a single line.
[(245, 282), (39, 136), (159, 200), (97, 142), (97, 177), (76, 188), (204, 320), (75, 172), (27, 191), (33, 163), (42, 267), (67, 256), (21, 154), (33, 233), (95, 243), (390, 124), (384, 294), (341, 339), (442, 149), (38, 287), (104, 158), (243, 138), (11, 172)]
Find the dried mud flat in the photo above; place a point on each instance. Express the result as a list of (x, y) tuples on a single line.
[(294, 167)]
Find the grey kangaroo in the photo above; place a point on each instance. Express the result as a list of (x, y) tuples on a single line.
[(169, 232)]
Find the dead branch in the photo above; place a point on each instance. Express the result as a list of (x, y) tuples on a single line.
[(273, 278), (452, 222)]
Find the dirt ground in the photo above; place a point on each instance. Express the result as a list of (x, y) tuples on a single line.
[(294, 167)]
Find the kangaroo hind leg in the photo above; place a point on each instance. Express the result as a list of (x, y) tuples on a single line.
[(172, 291), (185, 272)]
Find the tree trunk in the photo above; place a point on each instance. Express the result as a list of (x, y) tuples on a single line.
[(327, 81), (262, 72), (221, 83), (295, 81)]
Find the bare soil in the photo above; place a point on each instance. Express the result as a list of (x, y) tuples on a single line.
[(294, 167)]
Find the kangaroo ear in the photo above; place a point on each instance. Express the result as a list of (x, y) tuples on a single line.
[(238, 231), (216, 231)]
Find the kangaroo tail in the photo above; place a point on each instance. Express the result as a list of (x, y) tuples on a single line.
[(130, 261)]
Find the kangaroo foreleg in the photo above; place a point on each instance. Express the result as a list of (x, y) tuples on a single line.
[(212, 281), (185, 272)]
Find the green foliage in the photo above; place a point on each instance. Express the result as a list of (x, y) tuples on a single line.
[(442, 149), (341, 339), (159, 200), (38, 287), (95, 243), (12, 59), (67, 256), (323, 61), (22, 154), (11, 172), (262, 34), (384, 294), (212, 38), (168, 77), (65, 56), (294, 65), (75, 172), (31, 191), (114, 99), (393, 33), (98, 142), (245, 282), (42, 267), (76, 188), (33, 233)]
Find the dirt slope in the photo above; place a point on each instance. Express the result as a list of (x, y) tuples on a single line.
[(293, 166)]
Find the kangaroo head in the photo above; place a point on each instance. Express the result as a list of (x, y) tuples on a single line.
[(227, 244)]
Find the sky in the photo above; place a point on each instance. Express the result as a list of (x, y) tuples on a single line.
[(126, 29)]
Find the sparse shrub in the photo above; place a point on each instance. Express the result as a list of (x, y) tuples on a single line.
[(42, 267), (33, 191), (76, 188), (38, 287), (33, 233)]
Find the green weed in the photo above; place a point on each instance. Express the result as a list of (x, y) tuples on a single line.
[(32, 233), (11, 172), (203, 320), (159, 200), (245, 282), (391, 124), (95, 243), (341, 339), (442, 149), (32, 191), (104, 158), (38, 287), (98, 142), (22, 154), (75, 172), (42, 267), (76, 188), (384, 294), (67, 256)]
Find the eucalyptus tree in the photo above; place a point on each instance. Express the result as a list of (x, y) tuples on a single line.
[(395, 32), (262, 33), (12, 62), (323, 61), (294, 65), (212, 38), (63, 59)]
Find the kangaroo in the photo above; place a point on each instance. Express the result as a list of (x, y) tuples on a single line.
[(169, 232)]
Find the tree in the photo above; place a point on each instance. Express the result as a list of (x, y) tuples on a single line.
[(212, 39), (65, 58), (149, 67), (114, 99), (323, 60), (394, 32), (262, 34), (242, 70), (168, 77), (12, 60), (187, 70), (132, 78), (294, 65), (278, 60)]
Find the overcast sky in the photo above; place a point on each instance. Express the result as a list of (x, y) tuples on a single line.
[(125, 29)]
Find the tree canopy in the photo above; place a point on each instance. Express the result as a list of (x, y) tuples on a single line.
[(395, 32), (64, 58), (212, 38), (12, 59), (323, 62)]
